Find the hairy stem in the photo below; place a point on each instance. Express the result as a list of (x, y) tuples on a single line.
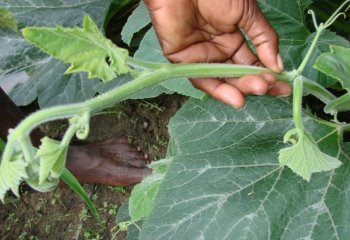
[(69, 134), (297, 101), (164, 72), (155, 75), (340, 104), (311, 49)]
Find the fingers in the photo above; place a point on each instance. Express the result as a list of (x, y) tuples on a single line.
[(220, 90), (262, 35), (173, 22), (253, 84), (232, 90), (280, 89)]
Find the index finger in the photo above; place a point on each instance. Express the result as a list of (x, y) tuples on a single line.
[(262, 35)]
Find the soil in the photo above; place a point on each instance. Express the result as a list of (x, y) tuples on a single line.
[(61, 214)]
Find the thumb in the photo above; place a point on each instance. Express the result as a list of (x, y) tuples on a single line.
[(262, 35)]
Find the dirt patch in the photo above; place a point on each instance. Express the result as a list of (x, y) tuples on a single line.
[(62, 214)]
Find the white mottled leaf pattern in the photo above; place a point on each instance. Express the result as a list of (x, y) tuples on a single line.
[(225, 181), (17, 55)]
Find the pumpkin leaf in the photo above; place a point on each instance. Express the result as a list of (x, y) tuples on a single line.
[(52, 158), (103, 59)]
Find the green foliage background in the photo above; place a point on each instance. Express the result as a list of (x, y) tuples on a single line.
[(224, 180)]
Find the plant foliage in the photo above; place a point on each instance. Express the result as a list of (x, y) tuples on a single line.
[(226, 176), (226, 182), (103, 59), (47, 81)]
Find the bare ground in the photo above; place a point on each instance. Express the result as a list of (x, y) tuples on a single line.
[(62, 214)]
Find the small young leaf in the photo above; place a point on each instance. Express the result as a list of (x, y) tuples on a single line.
[(11, 174), (86, 49), (160, 166), (143, 194), (336, 64), (142, 197), (305, 157), (52, 157), (7, 21)]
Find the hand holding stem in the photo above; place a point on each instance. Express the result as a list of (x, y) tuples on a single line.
[(209, 31)]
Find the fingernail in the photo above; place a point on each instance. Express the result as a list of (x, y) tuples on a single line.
[(280, 62)]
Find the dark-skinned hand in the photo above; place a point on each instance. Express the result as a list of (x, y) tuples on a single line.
[(211, 31)]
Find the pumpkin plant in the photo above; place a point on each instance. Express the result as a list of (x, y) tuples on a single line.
[(270, 170)]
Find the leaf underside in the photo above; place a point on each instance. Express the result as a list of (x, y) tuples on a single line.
[(305, 158), (12, 174), (52, 157)]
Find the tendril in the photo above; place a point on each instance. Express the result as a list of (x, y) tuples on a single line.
[(123, 226), (82, 124), (314, 21), (331, 21), (337, 14)]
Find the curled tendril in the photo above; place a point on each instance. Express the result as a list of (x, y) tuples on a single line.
[(84, 126), (314, 21), (331, 21), (292, 136), (123, 227), (347, 9), (337, 14)]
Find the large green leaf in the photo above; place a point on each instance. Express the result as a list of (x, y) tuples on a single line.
[(225, 181), (137, 21), (63, 90), (336, 64), (51, 13), (287, 17), (16, 54), (327, 39)]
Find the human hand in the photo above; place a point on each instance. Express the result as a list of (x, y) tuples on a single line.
[(210, 31)]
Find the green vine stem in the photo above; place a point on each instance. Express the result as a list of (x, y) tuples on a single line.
[(310, 86), (297, 103), (319, 29), (156, 73), (339, 104), (310, 50)]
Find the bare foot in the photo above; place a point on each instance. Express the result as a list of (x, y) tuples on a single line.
[(111, 162)]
